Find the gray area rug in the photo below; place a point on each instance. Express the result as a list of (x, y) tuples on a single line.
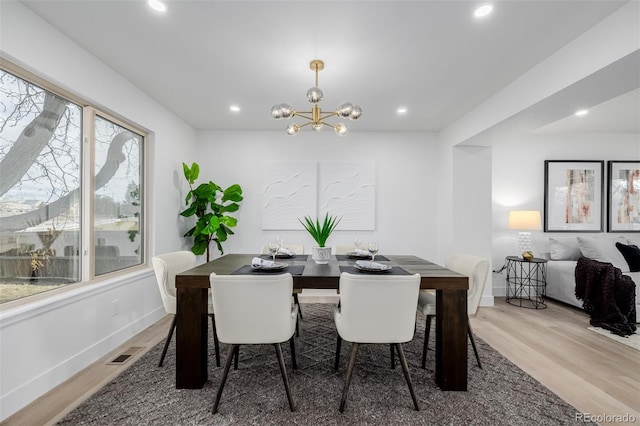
[(499, 394)]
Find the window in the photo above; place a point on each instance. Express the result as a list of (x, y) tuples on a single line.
[(71, 189)]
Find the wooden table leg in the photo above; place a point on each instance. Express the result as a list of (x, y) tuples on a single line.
[(191, 338), (451, 339)]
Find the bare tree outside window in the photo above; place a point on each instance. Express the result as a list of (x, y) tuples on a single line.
[(41, 189)]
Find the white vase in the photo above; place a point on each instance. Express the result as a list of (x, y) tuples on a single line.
[(321, 255)]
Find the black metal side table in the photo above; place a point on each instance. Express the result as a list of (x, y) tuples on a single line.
[(526, 282)]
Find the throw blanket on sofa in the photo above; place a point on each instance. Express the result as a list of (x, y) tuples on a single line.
[(609, 297)]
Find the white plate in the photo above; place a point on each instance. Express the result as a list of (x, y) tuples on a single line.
[(276, 267), (366, 269), (284, 255), (354, 255)]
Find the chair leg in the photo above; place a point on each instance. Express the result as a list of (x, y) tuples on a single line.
[(427, 330), (473, 343), (166, 343), (292, 345), (295, 299), (216, 343), (405, 370), (350, 368), (285, 379), (393, 357), (338, 345), (236, 355), (227, 366)]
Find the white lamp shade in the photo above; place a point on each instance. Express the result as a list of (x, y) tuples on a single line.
[(525, 219)]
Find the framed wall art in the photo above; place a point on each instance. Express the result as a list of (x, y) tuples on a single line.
[(623, 196), (573, 196)]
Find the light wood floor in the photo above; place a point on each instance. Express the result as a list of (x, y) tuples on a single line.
[(593, 373)]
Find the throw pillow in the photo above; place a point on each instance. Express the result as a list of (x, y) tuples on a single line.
[(564, 248), (603, 249), (631, 254)]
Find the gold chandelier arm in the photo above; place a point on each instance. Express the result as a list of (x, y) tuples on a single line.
[(328, 124), (301, 114), (305, 124), (327, 115)]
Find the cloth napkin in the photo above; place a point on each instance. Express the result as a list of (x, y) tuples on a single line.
[(370, 265), (361, 252), (256, 261), (286, 251)]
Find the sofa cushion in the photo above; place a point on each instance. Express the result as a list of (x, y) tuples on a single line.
[(564, 248), (604, 249), (631, 254)]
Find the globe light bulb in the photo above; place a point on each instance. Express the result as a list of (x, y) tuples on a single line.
[(314, 95), (344, 109), (292, 129), (355, 113), (275, 112), (340, 129), (317, 127), (286, 111)]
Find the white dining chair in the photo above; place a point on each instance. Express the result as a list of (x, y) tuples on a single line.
[(166, 266), (254, 310), (477, 269), (297, 249), (376, 309)]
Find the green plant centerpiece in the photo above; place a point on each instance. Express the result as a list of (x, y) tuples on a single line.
[(209, 203), (320, 232)]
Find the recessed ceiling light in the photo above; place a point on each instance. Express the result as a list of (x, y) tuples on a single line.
[(401, 110), (234, 108), (483, 11), (157, 5), (582, 112)]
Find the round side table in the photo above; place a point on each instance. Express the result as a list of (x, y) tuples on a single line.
[(526, 282)]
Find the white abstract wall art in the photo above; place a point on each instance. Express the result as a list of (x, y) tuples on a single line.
[(347, 189), (289, 193)]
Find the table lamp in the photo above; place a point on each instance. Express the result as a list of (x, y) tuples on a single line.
[(524, 221)]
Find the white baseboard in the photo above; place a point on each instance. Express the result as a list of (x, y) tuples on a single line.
[(20, 397)]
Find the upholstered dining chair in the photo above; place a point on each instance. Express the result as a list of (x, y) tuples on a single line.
[(166, 266), (477, 269), (297, 249), (254, 310), (376, 309)]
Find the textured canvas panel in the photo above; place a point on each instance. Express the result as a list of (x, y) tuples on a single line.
[(347, 189), (289, 192)]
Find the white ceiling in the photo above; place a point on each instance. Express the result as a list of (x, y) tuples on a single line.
[(431, 57)]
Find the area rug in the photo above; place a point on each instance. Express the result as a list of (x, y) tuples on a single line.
[(633, 341), (499, 394)]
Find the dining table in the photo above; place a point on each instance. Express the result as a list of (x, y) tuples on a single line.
[(451, 308)]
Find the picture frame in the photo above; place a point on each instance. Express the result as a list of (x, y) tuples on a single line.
[(623, 196), (573, 195)]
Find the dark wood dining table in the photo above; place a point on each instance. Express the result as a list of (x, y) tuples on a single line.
[(451, 311)]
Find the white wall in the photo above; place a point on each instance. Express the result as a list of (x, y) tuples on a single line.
[(407, 182), (518, 181), (44, 343)]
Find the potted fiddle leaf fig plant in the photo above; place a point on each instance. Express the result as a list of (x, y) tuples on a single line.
[(209, 203), (320, 232)]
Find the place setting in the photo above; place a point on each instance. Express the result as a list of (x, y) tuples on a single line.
[(370, 266), (260, 265), (282, 252), (362, 254)]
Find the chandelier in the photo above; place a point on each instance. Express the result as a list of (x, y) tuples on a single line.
[(316, 117)]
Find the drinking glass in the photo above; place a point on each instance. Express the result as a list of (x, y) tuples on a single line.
[(373, 249), (280, 240), (357, 242), (273, 249)]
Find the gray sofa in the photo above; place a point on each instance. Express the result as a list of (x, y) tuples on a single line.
[(563, 256)]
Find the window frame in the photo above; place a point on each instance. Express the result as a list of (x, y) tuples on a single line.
[(87, 201)]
